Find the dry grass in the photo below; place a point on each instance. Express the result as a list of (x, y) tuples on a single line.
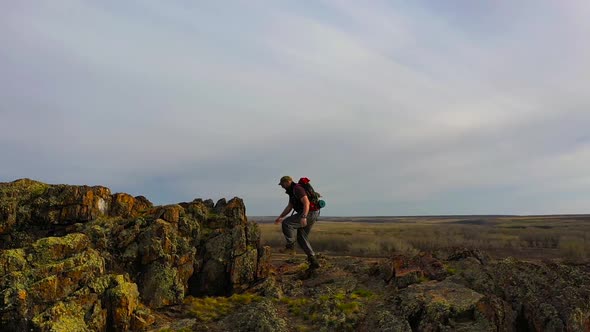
[(525, 237)]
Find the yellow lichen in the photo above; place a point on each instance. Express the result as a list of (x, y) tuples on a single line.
[(22, 295)]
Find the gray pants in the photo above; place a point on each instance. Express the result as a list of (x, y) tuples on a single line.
[(292, 224)]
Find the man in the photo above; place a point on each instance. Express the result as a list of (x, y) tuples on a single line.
[(300, 223)]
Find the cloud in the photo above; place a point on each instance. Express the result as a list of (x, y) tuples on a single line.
[(390, 108)]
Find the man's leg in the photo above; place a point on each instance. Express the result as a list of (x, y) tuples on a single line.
[(303, 240), (290, 226)]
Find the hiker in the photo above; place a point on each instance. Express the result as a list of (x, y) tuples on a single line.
[(302, 221)]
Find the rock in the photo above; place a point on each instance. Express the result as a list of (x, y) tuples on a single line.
[(63, 316), (14, 195), (253, 234), (161, 285), (264, 265), (403, 271), (122, 299), (12, 260), (170, 213), (57, 248), (63, 204), (268, 288), (220, 206), (126, 206), (386, 321), (542, 296), (261, 316), (57, 284), (439, 306), (243, 269), (142, 318), (235, 211), (498, 312), (77, 254), (28, 208)]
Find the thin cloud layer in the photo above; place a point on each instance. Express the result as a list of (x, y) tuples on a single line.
[(390, 108)]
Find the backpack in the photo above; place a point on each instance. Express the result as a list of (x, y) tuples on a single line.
[(315, 203)]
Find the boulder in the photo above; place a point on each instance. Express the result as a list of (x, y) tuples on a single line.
[(126, 206), (430, 306)]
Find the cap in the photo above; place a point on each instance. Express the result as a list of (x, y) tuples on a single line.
[(285, 179)]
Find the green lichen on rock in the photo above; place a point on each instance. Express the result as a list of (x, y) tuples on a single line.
[(261, 316), (160, 285), (55, 269), (12, 260), (15, 198), (123, 299), (95, 233), (100, 284), (524, 285), (243, 269), (56, 248), (62, 317), (437, 305), (382, 319)]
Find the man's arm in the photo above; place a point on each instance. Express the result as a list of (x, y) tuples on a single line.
[(305, 202), (285, 212)]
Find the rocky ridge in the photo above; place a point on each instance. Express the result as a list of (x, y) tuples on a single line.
[(80, 258)]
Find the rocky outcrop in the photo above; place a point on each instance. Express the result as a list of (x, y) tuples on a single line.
[(59, 282), (535, 296), (30, 209), (477, 294), (81, 255)]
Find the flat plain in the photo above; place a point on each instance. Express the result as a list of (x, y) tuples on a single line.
[(555, 237)]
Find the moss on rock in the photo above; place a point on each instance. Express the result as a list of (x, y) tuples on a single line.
[(262, 316), (62, 317), (123, 299), (12, 260), (160, 285), (161, 248), (56, 248)]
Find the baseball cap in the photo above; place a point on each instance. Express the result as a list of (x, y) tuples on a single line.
[(285, 179)]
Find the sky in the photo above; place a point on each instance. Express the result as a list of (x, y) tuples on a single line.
[(389, 107)]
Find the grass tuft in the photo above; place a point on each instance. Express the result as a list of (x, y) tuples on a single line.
[(209, 309)]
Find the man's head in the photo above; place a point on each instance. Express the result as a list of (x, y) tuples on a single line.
[(285, 182)]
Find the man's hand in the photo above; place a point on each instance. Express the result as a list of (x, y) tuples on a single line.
[(303, 222), (278, 221)]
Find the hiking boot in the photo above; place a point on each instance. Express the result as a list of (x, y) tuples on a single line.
[(313, 262), (288, 250)]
